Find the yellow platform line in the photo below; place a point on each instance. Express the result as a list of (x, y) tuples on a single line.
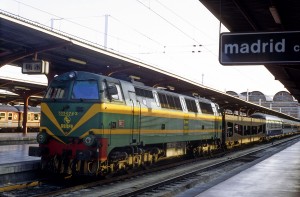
[(19, 186)]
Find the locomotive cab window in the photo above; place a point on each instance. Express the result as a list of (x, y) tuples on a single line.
[(57, 90), (85, 90), (55, 93), (113, 92)]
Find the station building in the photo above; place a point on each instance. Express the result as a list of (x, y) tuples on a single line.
[(282, 101)]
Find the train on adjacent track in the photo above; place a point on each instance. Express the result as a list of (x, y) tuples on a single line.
[(11, 118), (96, 125)]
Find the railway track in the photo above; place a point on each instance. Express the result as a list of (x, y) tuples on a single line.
[(169, 179)]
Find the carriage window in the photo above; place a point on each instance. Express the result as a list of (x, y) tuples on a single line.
[(28, 116), (238, 129), (254, 129), (2, 116), (9, 117), (229, 129), (85, 90), (36, 116)]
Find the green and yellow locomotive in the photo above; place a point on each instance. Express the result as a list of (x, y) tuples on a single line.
[(96, 125), (93, 124)]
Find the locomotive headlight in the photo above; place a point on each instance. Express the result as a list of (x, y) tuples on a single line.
[(42, 138), (72, 75), (89, 140)]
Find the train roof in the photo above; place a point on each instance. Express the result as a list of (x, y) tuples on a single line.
[(8, 108), (20, 108), (83, 74), (265, 116)]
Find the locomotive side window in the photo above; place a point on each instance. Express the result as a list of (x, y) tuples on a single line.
[(156, 99), (116, 96), (191, 105), (85, 90), (182, 101), (169, 101), (143, 92), (174, 102), (163, 100), (206, 108)]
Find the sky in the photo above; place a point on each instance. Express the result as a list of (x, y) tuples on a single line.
[(181, 37)]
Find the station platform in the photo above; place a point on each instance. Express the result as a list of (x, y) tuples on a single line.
[(15, 163), (279, 176), (17, 138)]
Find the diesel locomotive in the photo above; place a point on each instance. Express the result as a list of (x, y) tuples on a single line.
[(95, 125)]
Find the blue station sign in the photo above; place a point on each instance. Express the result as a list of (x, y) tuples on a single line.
[(259, 48)]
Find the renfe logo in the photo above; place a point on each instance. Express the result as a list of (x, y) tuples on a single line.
[(259, 48)]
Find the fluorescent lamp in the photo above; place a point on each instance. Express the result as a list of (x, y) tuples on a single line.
[(21, 88), (275, 14), (134, 77), (77, 61), (171, 88)]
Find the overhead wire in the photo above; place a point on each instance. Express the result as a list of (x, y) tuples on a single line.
[(68, 19), (169, 22), (174, 26)]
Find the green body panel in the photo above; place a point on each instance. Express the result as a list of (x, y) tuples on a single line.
[(123, 129)]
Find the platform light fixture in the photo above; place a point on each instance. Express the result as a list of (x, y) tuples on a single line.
[(77, 61), (21, 88), (275, 14), (172, 88), (133, 77)]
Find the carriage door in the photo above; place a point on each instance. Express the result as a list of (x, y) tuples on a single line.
[(10, 122), (135, 118), (216, 120)]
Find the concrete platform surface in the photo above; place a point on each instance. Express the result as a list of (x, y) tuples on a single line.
[(16, 165), (277, 176), (17, 136), (10, 154)]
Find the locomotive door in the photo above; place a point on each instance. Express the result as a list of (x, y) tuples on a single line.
[(135, 118)]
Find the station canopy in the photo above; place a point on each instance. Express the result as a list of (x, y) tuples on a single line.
[(241, 16), (23, 40)]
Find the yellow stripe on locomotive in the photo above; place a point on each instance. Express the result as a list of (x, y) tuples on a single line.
[(93, 124)]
